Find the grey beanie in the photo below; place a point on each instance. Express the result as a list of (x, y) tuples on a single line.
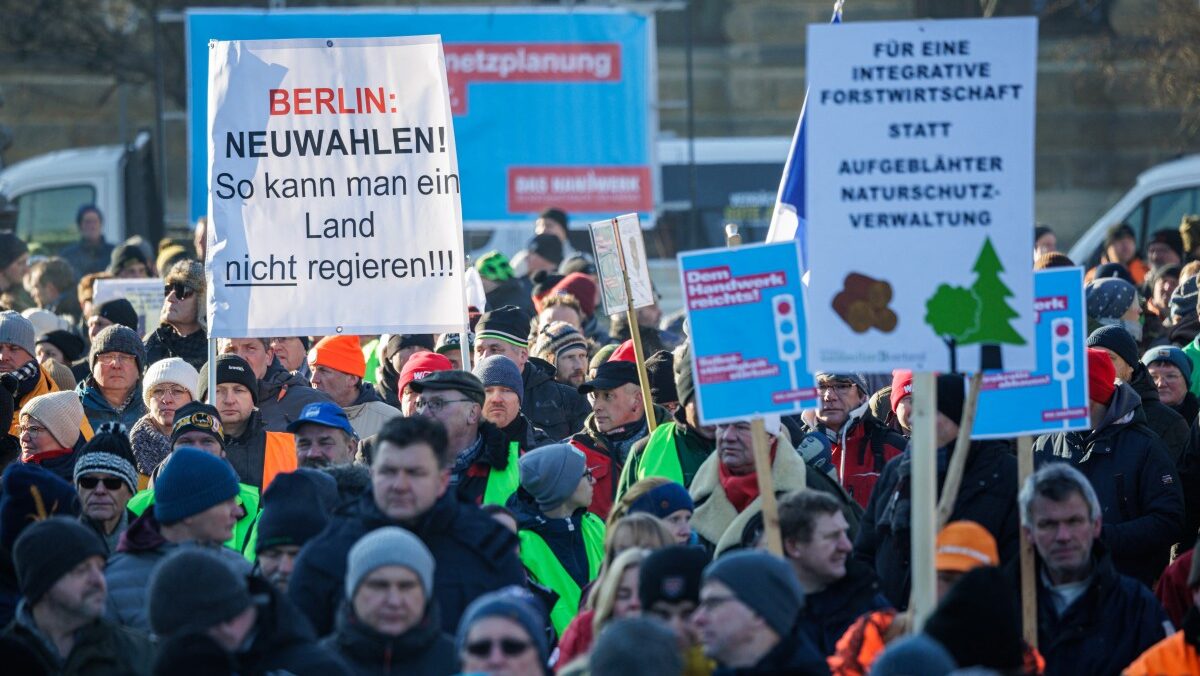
[(500, 370), (765, 583), (859, 379), (551, 473), (1109, 298), (389, 546), (118, 338), (192, 590), (17, 330)]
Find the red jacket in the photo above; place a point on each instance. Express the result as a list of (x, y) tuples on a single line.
[(868, 445)]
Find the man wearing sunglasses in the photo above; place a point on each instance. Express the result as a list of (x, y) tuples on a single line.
[(181, 330), (106, 479)]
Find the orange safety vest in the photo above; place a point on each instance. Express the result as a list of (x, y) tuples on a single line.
[(1172, 655), (280, 456)]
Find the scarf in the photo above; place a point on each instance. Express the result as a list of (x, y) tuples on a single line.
[(39, 458), (465, 459), (27, 378), (150, 447), (740, 490)]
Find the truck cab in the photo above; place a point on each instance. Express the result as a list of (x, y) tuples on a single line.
[(47, 190)]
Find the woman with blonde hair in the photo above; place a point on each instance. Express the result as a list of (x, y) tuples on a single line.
[(615, 597), (662, 498)]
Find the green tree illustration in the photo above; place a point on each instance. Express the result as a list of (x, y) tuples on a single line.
[(953, 313), (993, 328)]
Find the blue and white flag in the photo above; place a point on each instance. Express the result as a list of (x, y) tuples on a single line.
[(788, 220)]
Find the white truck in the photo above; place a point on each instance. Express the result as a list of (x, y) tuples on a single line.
[(47, 190)]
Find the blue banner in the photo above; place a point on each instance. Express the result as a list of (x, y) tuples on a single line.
[(1052, 398), (745, 311), (550, 108)]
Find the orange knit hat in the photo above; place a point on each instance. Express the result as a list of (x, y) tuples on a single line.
[(340, 353)]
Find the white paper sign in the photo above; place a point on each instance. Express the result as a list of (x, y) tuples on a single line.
[(613, 257), (145, 295), (333, 189), (920, 178)]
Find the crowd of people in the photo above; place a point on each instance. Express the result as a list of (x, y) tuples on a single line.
[(366, 505)]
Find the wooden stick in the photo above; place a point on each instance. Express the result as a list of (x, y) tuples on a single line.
[(924, 487), (962, 448), (766, 486), (635, 332), (762, 453), (1028, 567)]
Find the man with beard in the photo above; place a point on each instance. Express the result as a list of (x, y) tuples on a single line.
[(324, 436), (565, 348), (60, 571)]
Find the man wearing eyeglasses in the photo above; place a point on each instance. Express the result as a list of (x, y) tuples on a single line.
[(860, 445), (483, 471), (112, 392), (181, 330), (106, 479), (749, 617)]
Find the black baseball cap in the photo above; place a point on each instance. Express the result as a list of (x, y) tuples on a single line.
[(462, 381), (611, 375)]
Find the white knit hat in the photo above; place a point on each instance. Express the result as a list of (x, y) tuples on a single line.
[(60, 412), (170, 370)]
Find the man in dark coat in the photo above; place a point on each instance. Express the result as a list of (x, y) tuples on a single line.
[(388, 624), (837, 588), (1091, 619), (749, 617), (987, 496), (282, 395), (60, 571), (194, 591), (1164, 421), (549, 404), (1138, 486), (410, 479)]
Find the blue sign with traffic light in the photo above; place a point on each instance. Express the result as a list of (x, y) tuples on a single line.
[(746, 320), (1052, 398)]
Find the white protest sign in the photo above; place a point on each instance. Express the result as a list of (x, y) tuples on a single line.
[(920, 195), (333, 189), (613, 256), (145, 295)]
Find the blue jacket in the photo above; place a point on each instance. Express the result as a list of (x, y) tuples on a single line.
[(1115, 620), (1140, 496), (474, 554), (99, 411)]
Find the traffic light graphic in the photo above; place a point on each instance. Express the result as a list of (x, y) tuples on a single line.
[(787, 332), (1062, 348)]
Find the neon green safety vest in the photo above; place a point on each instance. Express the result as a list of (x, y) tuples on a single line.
[(247, 497), (501, 485), (545, 567), (661, 457)]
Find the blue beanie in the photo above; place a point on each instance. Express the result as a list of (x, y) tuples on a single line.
[(663, 501), (190, 482), (500, 370), (1172, 355)]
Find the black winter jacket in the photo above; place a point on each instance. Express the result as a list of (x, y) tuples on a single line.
[(830, 612), (284, 641), (564, 537), (794, 656), (475, 555), (1139, 491), (101, 647), (1167, 423), (282, 395), (556, 408), (165, 342), (1115, 620), (421, 651), (987, 496)]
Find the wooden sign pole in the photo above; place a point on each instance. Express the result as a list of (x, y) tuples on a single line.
[(924, 489), (762, 454), (635, 332)]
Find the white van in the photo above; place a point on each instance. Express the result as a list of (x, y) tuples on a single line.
[(1162, 196)]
